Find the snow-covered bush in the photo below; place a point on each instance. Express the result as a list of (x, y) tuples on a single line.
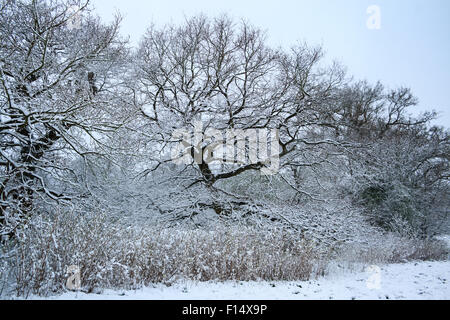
[(111, 256), (390, 248)]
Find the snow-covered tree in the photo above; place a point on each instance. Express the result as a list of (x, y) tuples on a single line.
[(224, 75), (57, 98)]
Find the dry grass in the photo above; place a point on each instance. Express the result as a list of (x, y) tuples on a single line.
[(112, 257)]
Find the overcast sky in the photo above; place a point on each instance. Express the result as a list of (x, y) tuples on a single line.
[(411, 48)]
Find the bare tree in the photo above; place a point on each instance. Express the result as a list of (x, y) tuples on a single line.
[(57, 100), (401, 174), (224, 74)]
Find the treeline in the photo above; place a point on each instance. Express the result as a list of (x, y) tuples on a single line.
[(87, 124)]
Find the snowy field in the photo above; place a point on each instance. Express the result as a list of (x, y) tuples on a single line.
[(416, 280)]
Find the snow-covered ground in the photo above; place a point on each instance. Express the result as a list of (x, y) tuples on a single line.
[(416, 280)]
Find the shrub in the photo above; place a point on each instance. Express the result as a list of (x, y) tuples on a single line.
[(391, 248), (111, 256)]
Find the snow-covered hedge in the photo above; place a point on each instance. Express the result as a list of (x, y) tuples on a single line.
[(111, 256)]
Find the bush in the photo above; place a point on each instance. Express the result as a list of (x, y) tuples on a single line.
[(395, 208), (110, 256), (391, 248)]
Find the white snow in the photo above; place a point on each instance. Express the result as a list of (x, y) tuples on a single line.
[(415, 280)]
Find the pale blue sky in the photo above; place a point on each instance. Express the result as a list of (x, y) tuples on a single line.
[(411, 49)]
